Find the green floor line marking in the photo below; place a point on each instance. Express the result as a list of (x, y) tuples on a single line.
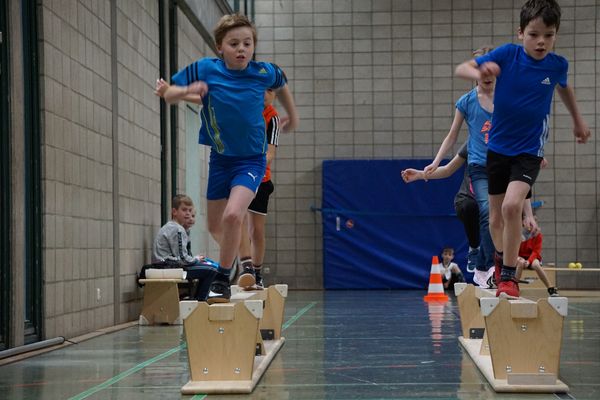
[(581, 310), (122, 375), (125, 374), (298, 315)]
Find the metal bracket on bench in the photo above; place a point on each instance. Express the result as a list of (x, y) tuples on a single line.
[(459, 288), (560, 304), (488, 304)]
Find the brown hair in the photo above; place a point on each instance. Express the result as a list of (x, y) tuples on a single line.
[(180, 199), (232, 21), (548, 10)]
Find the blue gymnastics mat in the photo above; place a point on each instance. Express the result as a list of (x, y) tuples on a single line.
[(379, 232)]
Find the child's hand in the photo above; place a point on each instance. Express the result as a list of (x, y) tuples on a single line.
[(430, 169), (287, 125), (161, 87), (283, 122), (410, 175), (523, 263), (531, 225), (544, 163), (582, 132), (198, 87), (489, 69)]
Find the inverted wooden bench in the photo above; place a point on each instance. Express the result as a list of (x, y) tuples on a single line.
[(161, 301), (514, 343), (231, 345)]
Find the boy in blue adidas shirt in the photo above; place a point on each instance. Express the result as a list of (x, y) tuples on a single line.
[(527, 75), (231, 89)]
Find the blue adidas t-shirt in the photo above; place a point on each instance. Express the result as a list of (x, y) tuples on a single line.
[(479, 122), (522, 99), (232, 121)]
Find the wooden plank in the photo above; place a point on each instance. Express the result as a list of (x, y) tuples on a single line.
[(162, 280), (524, 345), (273, 313), (484, 363), (470, 314), (523, 309), (221, 350), (261, 363), (161, 302)]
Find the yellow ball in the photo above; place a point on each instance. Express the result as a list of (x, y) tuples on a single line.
[(578, 265), (572, 265)]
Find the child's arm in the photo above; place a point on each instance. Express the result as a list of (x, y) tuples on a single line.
[(536, 251), (580, 129), (529, 221), (470, 70), (173, 93), (271, 153), (411, 175), (287, 101), (273, 137), (448, 142)]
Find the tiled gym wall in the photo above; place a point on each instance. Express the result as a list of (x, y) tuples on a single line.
[(374, 79)]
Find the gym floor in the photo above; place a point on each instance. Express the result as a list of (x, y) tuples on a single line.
[(339, 345)]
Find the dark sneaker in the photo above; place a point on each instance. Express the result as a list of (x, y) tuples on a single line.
[(259, 280), (509, 288), (219, 292), (247, 278), (553, 292), (472, 259), (498, 262)]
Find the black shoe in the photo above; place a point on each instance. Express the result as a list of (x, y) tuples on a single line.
[(553, 292), (247, 278), (259, 280), (219, 292)]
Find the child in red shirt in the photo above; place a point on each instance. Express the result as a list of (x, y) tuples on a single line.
[(530, 256)]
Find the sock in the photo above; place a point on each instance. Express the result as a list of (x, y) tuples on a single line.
[(246, 262), (508, 273), (223, 274), (257, 267)]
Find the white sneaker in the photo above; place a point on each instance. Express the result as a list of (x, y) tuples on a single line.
[(484, 278)]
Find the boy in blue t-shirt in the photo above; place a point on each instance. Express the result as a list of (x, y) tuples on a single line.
[(526, 76), (231, 89)]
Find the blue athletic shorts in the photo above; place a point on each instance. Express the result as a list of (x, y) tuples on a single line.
[(225, 172)]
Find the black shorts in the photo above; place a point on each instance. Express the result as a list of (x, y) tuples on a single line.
[(261, 201), (503, 169)]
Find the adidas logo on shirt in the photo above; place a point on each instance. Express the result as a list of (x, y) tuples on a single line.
[(546, 81), (264, 71)]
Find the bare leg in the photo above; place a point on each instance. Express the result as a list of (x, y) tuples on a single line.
[(496, 223), (540, 272), (245, 247), (257, 231), (240, 198), (214, 212), (512, 216), (520, 267)]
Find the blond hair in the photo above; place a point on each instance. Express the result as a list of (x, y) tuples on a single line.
[(482, 50), (232, 21), (180, 199)]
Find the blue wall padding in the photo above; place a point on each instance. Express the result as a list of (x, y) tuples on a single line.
[(379, 232)]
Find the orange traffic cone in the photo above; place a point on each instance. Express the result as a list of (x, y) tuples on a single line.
[(436, 288)]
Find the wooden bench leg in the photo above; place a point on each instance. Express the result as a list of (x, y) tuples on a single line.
[(524, 340), (222, 342), (160, 304)]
